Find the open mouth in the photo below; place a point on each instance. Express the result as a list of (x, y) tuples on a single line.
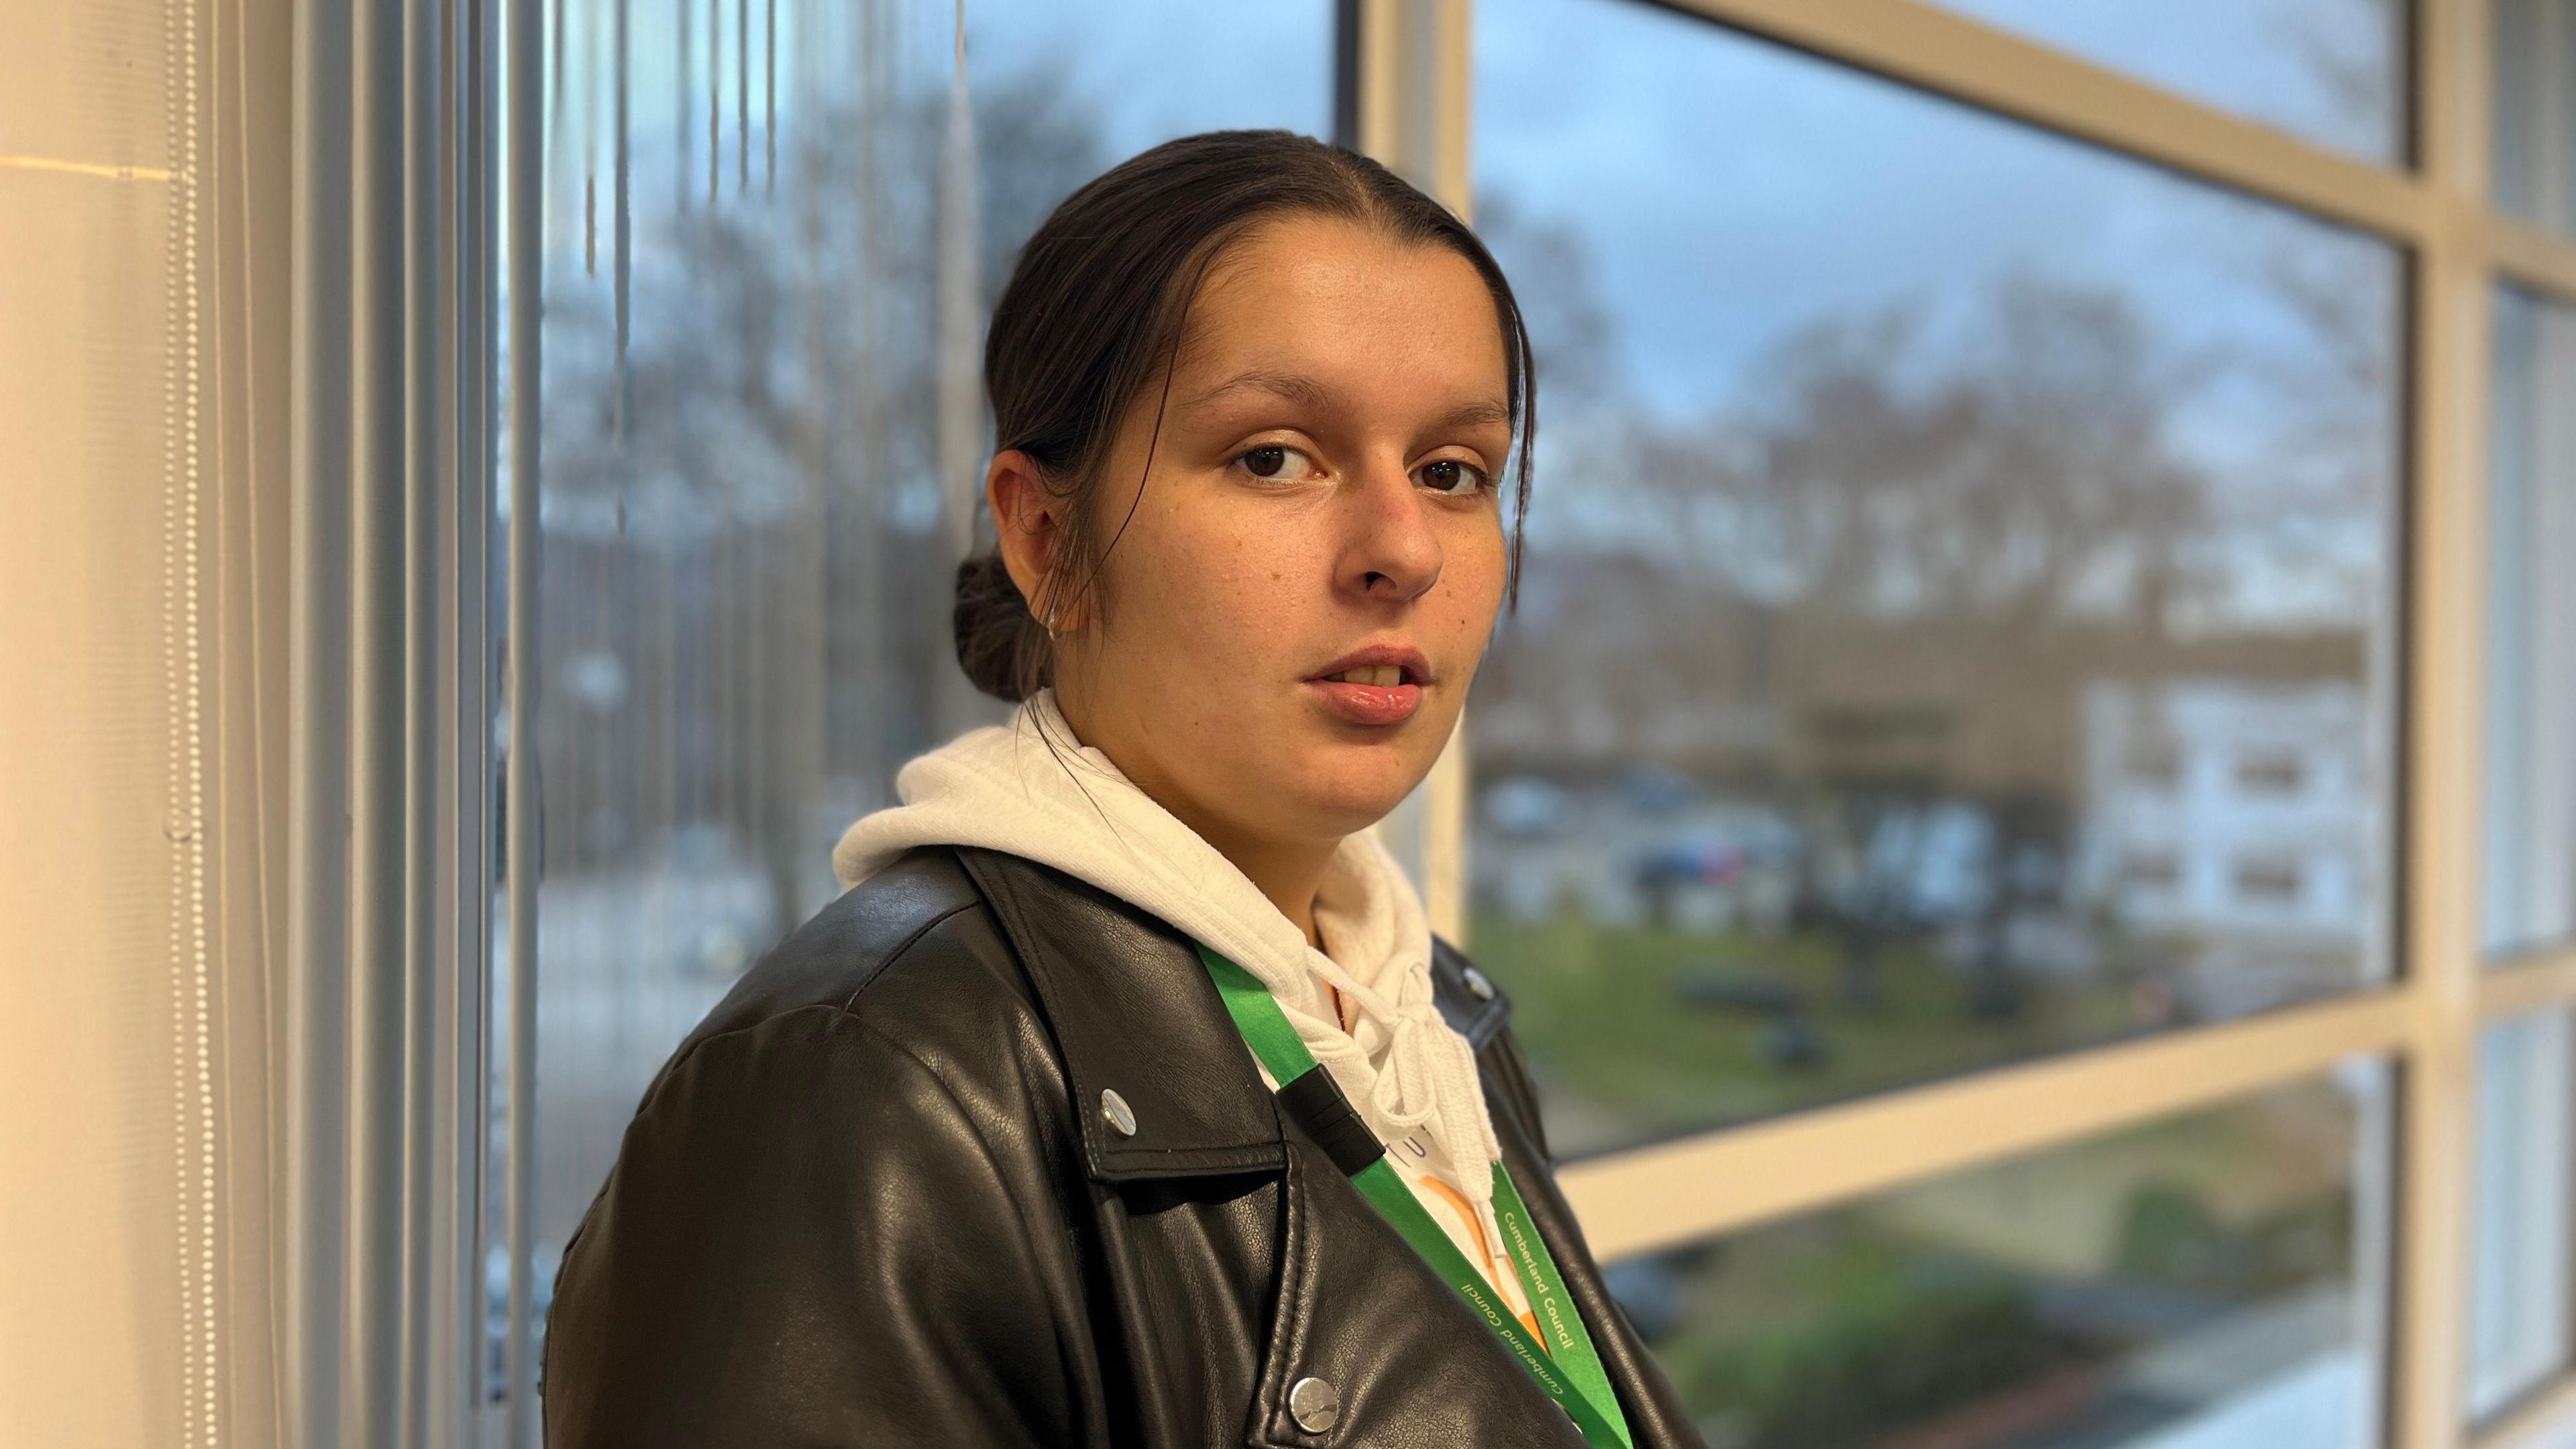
[(1380, 691), (1380, 675)]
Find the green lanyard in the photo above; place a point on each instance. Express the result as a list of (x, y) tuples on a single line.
[(1573, 1375)]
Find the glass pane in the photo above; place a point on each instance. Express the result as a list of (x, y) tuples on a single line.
[(2206, 1282), (1957, 607), (2535, 90), (750, 530), (2530, 867), (2519, 1287), (2333, 71)]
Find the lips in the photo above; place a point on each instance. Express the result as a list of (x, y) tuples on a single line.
[(1377, 685)]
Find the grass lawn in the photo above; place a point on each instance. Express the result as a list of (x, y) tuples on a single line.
[(1886, 1316), (1627, 1058)]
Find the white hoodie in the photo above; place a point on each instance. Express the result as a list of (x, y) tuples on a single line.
[(1411, 1077)]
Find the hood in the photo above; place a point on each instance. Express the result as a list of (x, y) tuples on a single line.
[(1030, 788)]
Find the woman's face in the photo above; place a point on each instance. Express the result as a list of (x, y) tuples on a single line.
[(1290, 619)]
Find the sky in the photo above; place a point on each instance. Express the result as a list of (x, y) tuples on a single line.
[(1733, 190), (2256, 57), (1727, 191)]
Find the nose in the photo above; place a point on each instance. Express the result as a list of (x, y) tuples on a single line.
[(1391, 551)]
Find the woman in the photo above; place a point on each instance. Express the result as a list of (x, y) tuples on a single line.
[(1125, 1097)]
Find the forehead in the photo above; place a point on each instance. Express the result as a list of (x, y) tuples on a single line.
[(1348, 305)]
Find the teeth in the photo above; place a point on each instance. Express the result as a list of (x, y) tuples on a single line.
[(1382, 675)]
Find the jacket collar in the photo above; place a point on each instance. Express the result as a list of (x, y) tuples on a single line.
[(1133, 1011), (1470, 1002)]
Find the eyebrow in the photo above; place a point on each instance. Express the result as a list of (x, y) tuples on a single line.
[(1309, 392)]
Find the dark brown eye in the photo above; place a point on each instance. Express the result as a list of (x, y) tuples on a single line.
[(1275, 463), (1449, 475)]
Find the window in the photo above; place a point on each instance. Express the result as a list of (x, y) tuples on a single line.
[(2331, 71), (2154, 870), (2530, 867), (1919, 498), (2209, 1279), (2535, 111), (750, 529), (1937, 805), (2156, 762), (2271, 772), (2268, 879), (2519, 1264)]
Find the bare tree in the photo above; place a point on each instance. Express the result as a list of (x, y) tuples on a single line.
[(759, 553)]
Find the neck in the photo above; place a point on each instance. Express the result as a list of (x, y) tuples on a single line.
[(1287, 872)]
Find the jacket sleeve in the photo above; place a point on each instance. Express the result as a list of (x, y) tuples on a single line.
[(808, 1239)]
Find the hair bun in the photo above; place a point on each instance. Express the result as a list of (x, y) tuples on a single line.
[(996, 633)]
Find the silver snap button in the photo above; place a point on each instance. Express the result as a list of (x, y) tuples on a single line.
[(1120, 1115), (1314, 1405), (1479, 984)]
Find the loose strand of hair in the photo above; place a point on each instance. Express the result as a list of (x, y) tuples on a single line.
[(1100, 559)]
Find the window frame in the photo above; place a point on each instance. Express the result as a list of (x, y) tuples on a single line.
[(1412, 111), (1403, 95)]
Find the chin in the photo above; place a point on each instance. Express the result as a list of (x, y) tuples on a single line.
[(1349, 795)]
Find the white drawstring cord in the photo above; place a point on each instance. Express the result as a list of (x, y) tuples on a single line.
[(1429, 1075)]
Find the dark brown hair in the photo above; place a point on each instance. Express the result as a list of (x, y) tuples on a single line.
[(1096, 308)]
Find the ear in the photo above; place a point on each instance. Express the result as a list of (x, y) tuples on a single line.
[(1028, 519)]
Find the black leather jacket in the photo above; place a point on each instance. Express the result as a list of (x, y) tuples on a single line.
[(874, 1199)]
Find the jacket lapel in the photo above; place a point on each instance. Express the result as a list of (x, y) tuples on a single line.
[(1133, 1011), (1409, 1361)]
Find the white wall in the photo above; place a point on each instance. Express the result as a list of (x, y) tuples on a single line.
[(128, 1164)]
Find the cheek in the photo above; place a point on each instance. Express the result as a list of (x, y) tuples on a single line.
[(1470, 592), (1215, 598)]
